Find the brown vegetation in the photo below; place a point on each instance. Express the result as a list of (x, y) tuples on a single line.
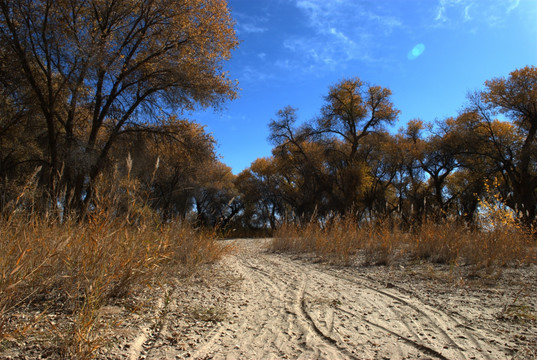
[(343, 240), (347, 160), (73, 268)]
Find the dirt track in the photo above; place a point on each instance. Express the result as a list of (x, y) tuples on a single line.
[(281, 307)]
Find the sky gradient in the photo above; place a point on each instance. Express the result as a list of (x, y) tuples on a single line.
[(430, 53)]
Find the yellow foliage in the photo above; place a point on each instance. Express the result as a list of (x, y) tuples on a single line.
[(494, 214)]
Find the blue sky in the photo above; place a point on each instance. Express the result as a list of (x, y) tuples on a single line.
[(430, 53)]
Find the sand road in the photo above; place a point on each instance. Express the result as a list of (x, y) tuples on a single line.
[(284, 308)]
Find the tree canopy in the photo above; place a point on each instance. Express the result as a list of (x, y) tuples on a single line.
[(95, 69), (345, 160)]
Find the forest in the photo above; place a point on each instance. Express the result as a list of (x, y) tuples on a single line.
[(83, 104), (97, 162)]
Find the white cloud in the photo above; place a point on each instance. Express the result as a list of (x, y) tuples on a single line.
[(491, 12), (513, 5), (467, 16), (341, 30), (250, 28), (250, 24), (442, 8), (251, 75), (342, 37)]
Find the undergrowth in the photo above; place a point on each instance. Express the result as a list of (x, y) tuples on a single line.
[(346, 241), (497, 238), (72, 267)]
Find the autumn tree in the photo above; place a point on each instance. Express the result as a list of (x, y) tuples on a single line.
[(345, 159), (410, 180), (169, 158), (439, 160), (325, 159), (353, 110), (304, 186), (379, 151), (20, 152), (214, 195), (260, 189), (95, 68), (512, 143)]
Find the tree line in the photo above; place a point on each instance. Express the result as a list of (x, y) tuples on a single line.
[(84, 84), (91, 99), (346, 161)]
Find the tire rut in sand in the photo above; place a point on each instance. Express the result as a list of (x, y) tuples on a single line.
[(428, 329), (304, 313), (292, 309), (289, 285), (451, 328)]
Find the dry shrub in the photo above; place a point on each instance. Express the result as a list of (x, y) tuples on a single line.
[(73, 268), (339, 240), (383, 243), (500, 247), (447, 242), (438, 242)]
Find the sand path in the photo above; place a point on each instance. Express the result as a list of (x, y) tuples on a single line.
[(291, 309)]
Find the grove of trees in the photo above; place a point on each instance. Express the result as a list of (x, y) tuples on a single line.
[(85, 83), (346, 161), (94, 90)]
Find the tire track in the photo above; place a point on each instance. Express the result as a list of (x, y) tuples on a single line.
[(288, 290), (304, 313), (431, 315), (458, 318), (430, 319), (291, 309)]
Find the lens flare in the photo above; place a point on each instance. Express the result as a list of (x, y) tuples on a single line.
[(416, 51)]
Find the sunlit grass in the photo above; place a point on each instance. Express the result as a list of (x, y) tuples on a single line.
[(73, 268), (346, 241)]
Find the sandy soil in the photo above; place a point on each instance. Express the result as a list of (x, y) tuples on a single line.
[(260, 305)]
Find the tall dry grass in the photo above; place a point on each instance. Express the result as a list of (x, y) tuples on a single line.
[(73, 268), (346, 241)]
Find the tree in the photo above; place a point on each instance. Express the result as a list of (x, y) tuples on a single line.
[(439, 161), (410, 180), (262, 199), (512, 143), (299, 161), (383, 160), (182, 153), (323, 164), (353, 110), (215, 196), (97, 67)]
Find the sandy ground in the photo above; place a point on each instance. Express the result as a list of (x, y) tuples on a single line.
[(260, 305)]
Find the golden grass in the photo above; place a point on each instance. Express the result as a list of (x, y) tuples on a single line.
[(449, 242), (74, 267)]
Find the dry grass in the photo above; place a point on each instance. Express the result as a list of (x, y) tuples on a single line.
[(72, 268), (75, 268), (449, 242)]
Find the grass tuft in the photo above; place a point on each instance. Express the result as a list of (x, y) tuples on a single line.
[(345, 241), (56, 273)]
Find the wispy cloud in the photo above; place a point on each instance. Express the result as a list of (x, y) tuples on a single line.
[(487, 12), (250, 74), (513, 4), (467, 16), (443, 7), (250, 28), (341, 31), (250, 24)]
